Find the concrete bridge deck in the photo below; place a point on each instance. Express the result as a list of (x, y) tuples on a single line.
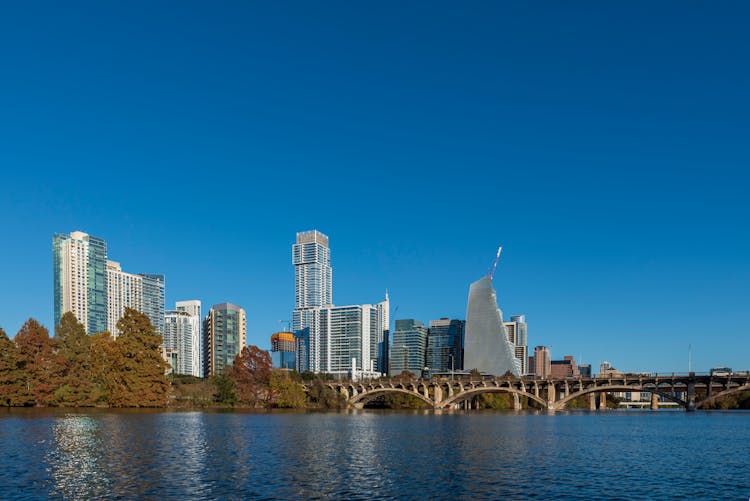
[(550, 393)]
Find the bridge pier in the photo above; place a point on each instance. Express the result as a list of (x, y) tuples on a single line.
[(516, 402), (550, 396), (602, 400), (654, 402), (690, 396), (592, 401), (438, 394)]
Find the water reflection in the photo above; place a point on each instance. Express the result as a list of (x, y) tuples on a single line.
[(76, 458)]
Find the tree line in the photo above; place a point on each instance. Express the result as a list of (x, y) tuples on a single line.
[(74, 369)]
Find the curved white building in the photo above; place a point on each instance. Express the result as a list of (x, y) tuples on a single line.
[(486, 345)]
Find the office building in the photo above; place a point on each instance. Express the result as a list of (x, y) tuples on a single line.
[(409, 348), (486, 346), (542, 362), (225, 328), (444, 345), (178, 341), (80, 279), (283, 350), (517, 331), (564, 368), (153, 300), (193, 308), (585, 370)]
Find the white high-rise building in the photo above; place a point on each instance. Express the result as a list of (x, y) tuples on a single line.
[(313, 290), (141, 292), (178, 341), (80, 279), (193, 308), (342, 340), (124, 290)]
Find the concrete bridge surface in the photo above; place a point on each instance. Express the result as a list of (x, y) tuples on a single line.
[(550, 393)]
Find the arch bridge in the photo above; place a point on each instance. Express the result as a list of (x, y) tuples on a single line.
[(690, 391)]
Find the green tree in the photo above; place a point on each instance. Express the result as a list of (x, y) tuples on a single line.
[(74, 347), (286, 392), (225, 389), (12, 381), (41, 364), (105, 357), (324, 397), (251, 372), (138, 376)]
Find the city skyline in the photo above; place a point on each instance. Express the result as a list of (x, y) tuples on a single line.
[(599, 148)]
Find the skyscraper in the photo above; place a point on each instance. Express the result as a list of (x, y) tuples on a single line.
[(153, 300), (517, 330), (80, 279), (342, 340), (409, 349), (311, 258), (193, 308), (178, 340), (226, 334), (444, 345), (141, 292), (487, 347)]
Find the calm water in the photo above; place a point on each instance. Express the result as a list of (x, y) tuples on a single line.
[(213, 455)]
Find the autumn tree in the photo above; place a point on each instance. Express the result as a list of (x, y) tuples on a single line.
[(40, 362), (12, 382), (74, 348), (105, 358), (138, 374), (251, 372)]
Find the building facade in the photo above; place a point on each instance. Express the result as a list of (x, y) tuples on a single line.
[(283, 350), (445, 345), (80, 279), (517, 330), (144, 293), (542, 362), (193, 308), (564, 368), (341, 340), (178, 340), (409, 347), (226, 334), (487, 347)]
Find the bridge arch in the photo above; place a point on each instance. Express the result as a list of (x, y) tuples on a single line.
[(724, 393), (472, 392), (560, 404), (371, 393)]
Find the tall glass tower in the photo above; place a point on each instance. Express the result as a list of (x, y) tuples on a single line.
[(80, 279), (226, 335)]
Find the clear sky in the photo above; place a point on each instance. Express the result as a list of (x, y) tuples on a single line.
[(604, 145)]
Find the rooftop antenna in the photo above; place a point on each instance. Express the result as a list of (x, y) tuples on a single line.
[(494, 266)]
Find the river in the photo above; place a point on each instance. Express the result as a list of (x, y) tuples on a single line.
[(371, 454)]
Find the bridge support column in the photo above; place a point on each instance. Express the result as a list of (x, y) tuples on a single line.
[(516, 402), (592, 401), (690, 396), (550, 396), (654, 402), (602, 400), (425, 391), (437, 392), (344, 392)]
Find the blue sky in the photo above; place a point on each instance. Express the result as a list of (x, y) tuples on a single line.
[(604, 146)]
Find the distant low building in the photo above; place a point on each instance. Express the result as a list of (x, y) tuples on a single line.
[(564, 368), (585, 370)]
